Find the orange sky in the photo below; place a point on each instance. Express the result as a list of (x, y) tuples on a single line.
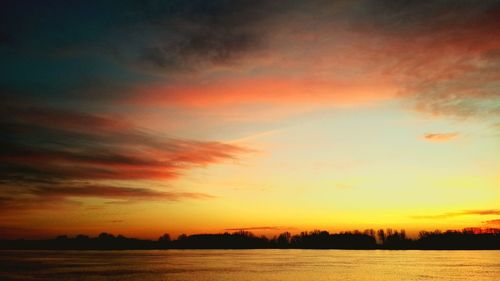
[(288, 116)]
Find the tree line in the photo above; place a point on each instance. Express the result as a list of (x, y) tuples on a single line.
[(317, 239)]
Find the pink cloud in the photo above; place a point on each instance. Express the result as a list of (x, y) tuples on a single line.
[(440, 137), (263, 90)]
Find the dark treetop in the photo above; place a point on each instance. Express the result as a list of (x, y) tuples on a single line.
[(368, 239)]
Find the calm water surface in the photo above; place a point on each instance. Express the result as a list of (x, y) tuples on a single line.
[(255, 265)]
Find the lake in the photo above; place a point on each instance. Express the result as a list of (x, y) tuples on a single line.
[(254, 265)]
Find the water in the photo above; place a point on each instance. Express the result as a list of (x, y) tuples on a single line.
[(254, 265)]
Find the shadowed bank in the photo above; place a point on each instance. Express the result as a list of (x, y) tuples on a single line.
[(467, 239)]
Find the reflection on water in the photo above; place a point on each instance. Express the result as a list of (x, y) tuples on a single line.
[(252, 265)]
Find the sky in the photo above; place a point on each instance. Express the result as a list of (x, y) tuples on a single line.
[(149, 117)]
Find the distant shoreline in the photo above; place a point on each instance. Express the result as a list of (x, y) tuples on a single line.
[(466, 239)]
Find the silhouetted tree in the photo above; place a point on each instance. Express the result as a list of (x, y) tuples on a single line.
[(164, 241), (381, 236), (471, 238), (283, 240), (397, 240)]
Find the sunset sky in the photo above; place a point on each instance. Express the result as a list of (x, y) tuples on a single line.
[(148, 117)]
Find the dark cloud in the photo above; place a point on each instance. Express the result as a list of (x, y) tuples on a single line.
[(180, 36), (88, 53), (202, 34), (406, 17), (169, 36), (50, 197), (19, 201), (113, 192)]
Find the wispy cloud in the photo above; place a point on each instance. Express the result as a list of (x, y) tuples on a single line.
[(492, 223), (460, 213), (441, 58), (260, 228), (439, 63), (440, 137), (51, 154), (114, 192)]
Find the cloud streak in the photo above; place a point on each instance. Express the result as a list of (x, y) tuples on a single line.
[(440, 137), (461, 213), (51, 154), (493, 223), (114, 192), (259, 228), (442, 61)]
